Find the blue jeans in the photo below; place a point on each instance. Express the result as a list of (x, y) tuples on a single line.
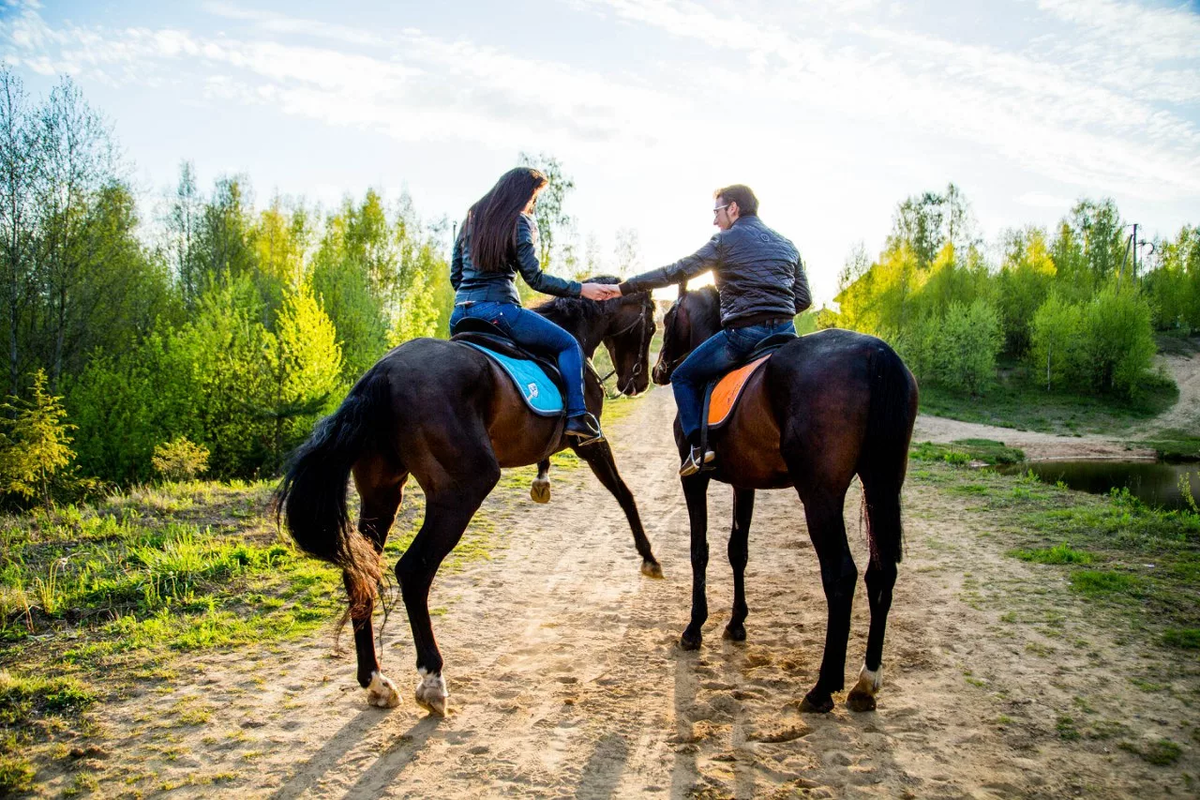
[(535, 332), (714, 357)]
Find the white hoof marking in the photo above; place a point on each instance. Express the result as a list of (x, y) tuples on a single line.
[(869, 681), (382, 692), (431, 693)]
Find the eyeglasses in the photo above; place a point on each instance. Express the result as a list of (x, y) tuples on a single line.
[(718, 208)]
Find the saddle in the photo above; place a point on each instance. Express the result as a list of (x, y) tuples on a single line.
[(535, 375), (721, 396)]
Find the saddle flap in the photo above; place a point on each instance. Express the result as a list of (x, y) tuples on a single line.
[(539, 385), (729, 388)]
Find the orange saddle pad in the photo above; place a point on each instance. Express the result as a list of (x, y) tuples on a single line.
[(725, 394)]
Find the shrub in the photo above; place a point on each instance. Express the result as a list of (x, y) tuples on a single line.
[(1118, 340), (970, 341), (180, 459)]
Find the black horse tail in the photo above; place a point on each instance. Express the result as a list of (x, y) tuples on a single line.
[(884, 459), (311, 499)]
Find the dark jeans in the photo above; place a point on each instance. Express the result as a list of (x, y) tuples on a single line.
[(713, 358), (535, 332)]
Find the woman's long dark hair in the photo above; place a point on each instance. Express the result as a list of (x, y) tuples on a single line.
[(491, 226)]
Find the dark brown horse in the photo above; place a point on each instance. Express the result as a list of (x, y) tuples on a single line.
[(445, 414), (826, 407)]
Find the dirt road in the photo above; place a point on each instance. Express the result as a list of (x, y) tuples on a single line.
[(566, 680)]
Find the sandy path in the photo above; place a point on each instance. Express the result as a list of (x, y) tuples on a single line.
[(566, 680), (1184, 415)]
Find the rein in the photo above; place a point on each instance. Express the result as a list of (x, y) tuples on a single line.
[(642, 351)]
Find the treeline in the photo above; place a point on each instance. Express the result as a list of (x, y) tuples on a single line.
[(1065, 304), (225, 335)]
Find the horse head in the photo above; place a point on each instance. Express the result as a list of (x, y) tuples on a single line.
[(627, 339), (693, 317)]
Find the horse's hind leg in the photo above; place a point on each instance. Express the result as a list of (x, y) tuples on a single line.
[(883, 520), (449, 505), (826, 527), (739, 554), (380, 489), (600, 458), (540, 490)]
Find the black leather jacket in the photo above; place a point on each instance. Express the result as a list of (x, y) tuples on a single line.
[(472, 284), (759, 273)]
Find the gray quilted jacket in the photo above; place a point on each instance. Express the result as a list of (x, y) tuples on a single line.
[(758, 273)]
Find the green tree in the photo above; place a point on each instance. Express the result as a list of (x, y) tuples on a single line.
[(1118, 338), (304, 363), (37, 444), (1025, 280), (1055, 352), (968, 343)]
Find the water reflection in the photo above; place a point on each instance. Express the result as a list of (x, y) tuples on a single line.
[(1153, 483)]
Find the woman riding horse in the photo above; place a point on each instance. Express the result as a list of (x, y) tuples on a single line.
[(450, 417), (497, 240)]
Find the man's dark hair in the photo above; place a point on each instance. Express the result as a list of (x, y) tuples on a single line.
[(491, 224), (741, 194)]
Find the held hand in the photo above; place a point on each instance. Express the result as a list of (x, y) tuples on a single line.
[(599, 291)]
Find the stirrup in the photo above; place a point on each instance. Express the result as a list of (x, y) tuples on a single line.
[(587, 430), (693, 463)]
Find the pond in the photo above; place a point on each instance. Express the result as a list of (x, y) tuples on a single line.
[(1155, 484)]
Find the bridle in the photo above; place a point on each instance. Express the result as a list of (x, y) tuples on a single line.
[(646, 321), (675, 362)]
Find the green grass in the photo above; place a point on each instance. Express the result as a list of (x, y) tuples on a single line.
[(1174, 445), (1059, 554), (107, 595), (1013, 403), (964, 451), (1161, 753), (1113, 550)]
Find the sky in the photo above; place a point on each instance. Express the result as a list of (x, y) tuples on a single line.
[(833, 111)]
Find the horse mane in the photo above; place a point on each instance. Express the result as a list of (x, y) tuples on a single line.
[(706, 314), (573, 313)]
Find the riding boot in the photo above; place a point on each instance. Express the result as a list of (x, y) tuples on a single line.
[(583, 429)]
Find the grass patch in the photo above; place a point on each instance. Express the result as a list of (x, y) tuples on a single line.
[(1013, 403), (1095, 583), (1161, 753), (964, 451), (1175, 446), (1117, 551), (1183, 638), (1059, 554), (16, 775)]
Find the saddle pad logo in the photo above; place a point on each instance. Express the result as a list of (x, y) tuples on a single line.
[(531, 391)]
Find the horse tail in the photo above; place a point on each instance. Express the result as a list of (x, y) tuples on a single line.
[(884, 460), (311, 499)]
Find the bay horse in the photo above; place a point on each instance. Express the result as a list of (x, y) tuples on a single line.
[(824, 408), (448, 416)]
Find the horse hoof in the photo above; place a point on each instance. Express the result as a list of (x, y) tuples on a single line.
[(382, 692), (689, 641), (432, 694), (540, 491), (811, 704), (859, 700), (862, 696), (735, 633), (652, 569)]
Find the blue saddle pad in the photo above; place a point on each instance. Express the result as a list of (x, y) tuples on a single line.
[(540, 393)]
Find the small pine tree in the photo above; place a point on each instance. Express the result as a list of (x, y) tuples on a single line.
[(37, 443)]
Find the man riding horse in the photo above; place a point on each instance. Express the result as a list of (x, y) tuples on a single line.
[(762, 285)]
